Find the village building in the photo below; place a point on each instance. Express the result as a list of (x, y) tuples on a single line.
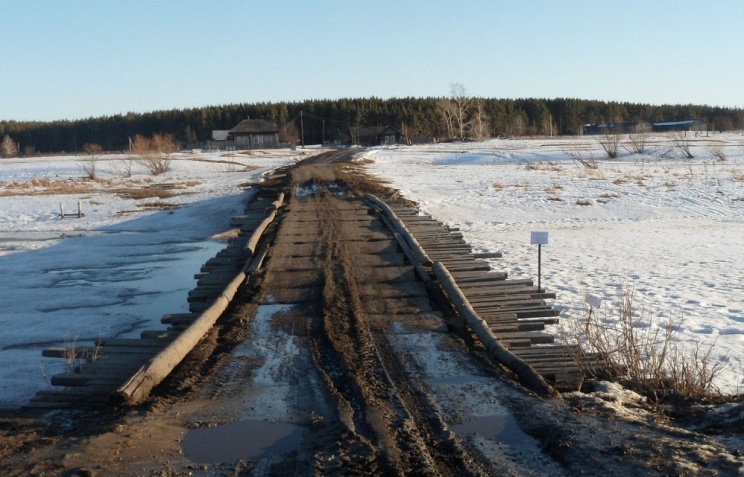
[(620, 127), (255, 134), (369, 136), (687, 125)]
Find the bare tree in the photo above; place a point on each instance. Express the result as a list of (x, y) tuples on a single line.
[(446, 110), (610, 141), (90, 163), (8, 147), (682, 142), (289, 134), (716, 150), (154, 153), (461, 107), (638, 141), (479, 124)]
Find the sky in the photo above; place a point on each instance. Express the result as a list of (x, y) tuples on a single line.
[(76, 59)]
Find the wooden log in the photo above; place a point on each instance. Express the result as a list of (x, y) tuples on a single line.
[(250, 247), (400, 227), (138, 387), (483, 332), (420, 272)]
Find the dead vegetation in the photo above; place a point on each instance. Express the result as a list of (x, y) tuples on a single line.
[(642, 351)]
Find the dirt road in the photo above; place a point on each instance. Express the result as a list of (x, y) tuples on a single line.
[(337, 361)]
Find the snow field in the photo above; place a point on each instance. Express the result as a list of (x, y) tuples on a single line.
[(667, 228)]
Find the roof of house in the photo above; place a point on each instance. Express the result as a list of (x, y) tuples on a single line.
[(675, 123), (253, 126)]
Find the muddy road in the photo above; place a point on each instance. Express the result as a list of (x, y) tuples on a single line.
[(336, 360)]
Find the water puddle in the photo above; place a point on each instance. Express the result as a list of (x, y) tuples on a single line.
[(460, 379), (502, 428), (243, 440)]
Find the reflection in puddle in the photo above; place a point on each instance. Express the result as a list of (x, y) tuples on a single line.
[(502, 428), (244, 440)]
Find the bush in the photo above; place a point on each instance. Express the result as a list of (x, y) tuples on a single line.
[(154, 153), (643, 352)]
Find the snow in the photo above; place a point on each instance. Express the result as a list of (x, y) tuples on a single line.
[(116, 270), (666, 228)]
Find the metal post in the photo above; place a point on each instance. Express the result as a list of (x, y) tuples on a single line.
[(539, 267)]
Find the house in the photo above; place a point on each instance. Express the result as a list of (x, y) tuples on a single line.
[(220, 134), (621, 127), (255, 134), (686, 125), (370, 136)]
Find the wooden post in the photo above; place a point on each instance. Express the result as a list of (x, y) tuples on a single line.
[(62, 210), (80, 210)]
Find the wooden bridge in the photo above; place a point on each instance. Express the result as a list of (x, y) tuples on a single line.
[(508, 315)]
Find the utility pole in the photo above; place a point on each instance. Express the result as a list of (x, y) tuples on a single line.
[(302, 132)]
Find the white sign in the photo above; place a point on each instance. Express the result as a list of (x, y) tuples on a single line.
[(593, 301), (539, 238)]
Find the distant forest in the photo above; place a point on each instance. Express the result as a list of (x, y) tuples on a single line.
[(321, 120)]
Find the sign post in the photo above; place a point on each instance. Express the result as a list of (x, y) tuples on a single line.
[(539, 239)]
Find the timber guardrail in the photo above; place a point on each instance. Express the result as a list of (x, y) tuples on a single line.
[(507, 315)]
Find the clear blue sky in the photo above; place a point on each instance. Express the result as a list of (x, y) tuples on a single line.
[(71, 59)]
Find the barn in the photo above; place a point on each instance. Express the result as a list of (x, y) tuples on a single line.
[(370, 136), (686, 125), (255, 134)]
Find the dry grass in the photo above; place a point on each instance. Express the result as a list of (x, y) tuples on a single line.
[(498, 185), (46, 186), (159, 205), (584, 202), (642, 351), (144, 193), (544, 166)]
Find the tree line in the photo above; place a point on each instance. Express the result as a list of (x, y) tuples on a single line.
[(455, 116)]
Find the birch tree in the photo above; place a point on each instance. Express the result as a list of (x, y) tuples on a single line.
[(8, 147)]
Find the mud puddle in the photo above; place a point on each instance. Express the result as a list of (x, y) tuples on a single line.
[(243, 440), (500, 428)]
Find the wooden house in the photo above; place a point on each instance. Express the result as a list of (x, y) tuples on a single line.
[(369, 136), (255, 134)]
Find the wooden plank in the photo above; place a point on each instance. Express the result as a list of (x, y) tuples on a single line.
[(488, 255), (69, 379), (134, 343), (62, 352), (517, 326), (534, 338), (157, 334), (493, 278), (171, 317)]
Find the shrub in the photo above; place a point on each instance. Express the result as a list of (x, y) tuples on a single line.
[(642, 351), (154, 153)]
